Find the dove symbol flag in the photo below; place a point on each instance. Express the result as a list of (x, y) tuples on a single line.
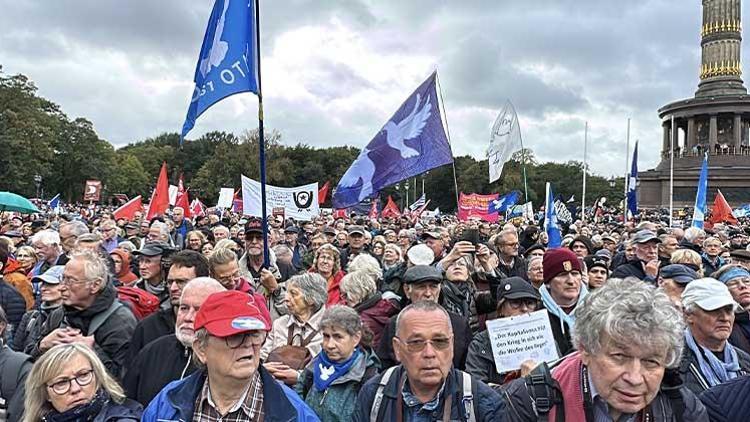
[(551, 225), (227, 63), (413, 141), (501, 204), (699, 213), (505, 139)]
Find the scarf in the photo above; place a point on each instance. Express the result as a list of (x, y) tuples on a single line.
[(555, 309), (84, 412), (325, 372), (714, 370)]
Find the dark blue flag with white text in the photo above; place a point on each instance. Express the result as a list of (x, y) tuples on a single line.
[(411, 142), (227, 63)]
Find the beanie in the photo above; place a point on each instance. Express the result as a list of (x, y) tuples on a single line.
[(558, 260)]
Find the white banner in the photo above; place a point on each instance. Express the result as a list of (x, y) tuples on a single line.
[(300, 203), (226, 198), (505, 139), (515, 340), (173, 190)]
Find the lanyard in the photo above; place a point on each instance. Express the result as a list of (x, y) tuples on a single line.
[(447, 403), (588, 404)]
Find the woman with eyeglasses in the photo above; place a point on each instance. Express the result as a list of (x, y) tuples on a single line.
[(737, 280), (70, 383), (327, 263), (515, 296)]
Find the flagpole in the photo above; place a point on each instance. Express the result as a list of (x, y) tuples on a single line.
[(585, 146), (448, 133), (671, 173), (627, 178), (261, 141)]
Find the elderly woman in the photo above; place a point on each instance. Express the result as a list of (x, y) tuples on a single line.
[(688, 258), (359, 291), (305, 299), (628, 334), (70, 383), (458, 294), (330, 384), (737, 280), (123, 273), (194, 240), (26, 256), (327, 263), (535, 271), (515, 297), (207, 248), (392, 256)]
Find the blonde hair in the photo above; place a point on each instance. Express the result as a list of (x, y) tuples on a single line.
[(50, 365), (687, 256)]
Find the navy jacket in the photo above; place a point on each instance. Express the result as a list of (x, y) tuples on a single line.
[(728, 402)]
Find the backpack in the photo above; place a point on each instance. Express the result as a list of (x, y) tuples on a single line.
[(468, 386), (141, 302)]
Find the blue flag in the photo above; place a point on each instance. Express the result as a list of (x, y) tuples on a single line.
[(411, 142), (699, 213), (54, 204), (633, 184), (228, 60), (504, 202), (551, 225)]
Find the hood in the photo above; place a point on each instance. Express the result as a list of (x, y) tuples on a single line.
[(12, 266), (125, 258)]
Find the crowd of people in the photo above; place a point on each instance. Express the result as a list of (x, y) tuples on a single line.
[(187, 319)]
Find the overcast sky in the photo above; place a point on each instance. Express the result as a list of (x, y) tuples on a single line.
[(334, 71)]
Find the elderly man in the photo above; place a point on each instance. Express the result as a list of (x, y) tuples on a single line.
[(711, 255), (230, 328), (266, 281), (291, 239), (433, 240), (220, 232), (645, 265), (46, 244), (672, 280), (158, 233), (668, 245), (627, 335), (708, 358), (170, 357), (356, 245), (423, 283), (69, 234), (693, 239), (91, 313), (425, 387), (185, 266), (181, 225), (110, 237), (151, 269), (510, 263)]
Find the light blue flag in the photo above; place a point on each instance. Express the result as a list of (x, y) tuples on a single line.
[(551, 225), (227, 63), (699, 213), (633, 184), (501, 204), (410, 143)]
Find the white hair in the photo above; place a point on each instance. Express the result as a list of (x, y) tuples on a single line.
[(46, 237)]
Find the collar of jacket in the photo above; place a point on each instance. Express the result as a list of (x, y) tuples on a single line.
[(393, 389), (276, 406)]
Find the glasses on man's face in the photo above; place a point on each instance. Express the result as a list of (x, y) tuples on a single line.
[(417, 345), (517, 304), (69, 281), (83, 379), (256, 339)]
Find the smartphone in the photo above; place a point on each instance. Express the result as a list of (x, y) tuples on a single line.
[(470, 235)]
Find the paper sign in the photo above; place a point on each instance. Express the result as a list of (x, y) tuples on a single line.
[(226, 196), (521, 338)]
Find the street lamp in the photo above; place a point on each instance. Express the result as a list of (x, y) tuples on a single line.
[(38, 183), (612, 182)]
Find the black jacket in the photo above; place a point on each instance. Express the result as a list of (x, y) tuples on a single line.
[(111, 340), (29, 330), (562, 338), (162, 361), (480, 362), (727, 402), (159, 324), (461, 340), (740, 337), (517, 270), (690, 369), (14, 366), (12, 303), (633, 268)]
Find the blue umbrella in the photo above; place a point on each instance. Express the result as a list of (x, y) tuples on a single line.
[(10, 201)]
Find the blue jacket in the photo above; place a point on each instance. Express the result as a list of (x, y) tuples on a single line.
[(176, 401), (487, 403), (728, 401)]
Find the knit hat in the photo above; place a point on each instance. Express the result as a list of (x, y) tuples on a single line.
[(558, 260)]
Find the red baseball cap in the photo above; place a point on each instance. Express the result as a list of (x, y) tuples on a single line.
[(232, 312)]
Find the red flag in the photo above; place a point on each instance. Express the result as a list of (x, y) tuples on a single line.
[(390, 209), (197, 208), (374, 209), (128, 209), (721, 211), (183, 201), (323, 193), (160, 198)]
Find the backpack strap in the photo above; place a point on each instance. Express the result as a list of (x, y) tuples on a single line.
[(545, 393), (98, 320), (379, 393), (468, 402)]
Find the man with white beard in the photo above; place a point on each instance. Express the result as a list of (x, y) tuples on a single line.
[(170, 358)]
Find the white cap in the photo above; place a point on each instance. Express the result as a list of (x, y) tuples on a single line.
[(709, 294), (420, 254)]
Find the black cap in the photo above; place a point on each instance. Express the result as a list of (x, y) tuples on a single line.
[(679, 273), (534, 247), (422, 273), (132, 226), (254, 225), (154, 249), (357, 230), (291, 230), (433, 234), (516, 288), (596, 261), (329, 230), (741, 254)]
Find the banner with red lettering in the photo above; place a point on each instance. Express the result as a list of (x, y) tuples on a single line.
[(474, 205)]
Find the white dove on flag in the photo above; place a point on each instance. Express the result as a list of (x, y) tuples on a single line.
[(363, 168), (408, 128), (498, 203), (219, 48)]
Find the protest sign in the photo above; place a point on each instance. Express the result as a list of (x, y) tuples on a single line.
[(476, 206), (226, 196), (517, 339), (300, 203)]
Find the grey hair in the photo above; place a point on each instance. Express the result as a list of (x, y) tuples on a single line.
[(94, 267), (358, 286), (282, 250), (693, 233), (424, 306), (314, 288), (46, 237), (219, 228), (77, 228), (533, 260), (368, 264), (633, 313), (220, 256), (343, 317), (711, 239)]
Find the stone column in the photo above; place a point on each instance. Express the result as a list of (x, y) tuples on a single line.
[(737, 129), (690, 136), (665, 140), (713, 134)]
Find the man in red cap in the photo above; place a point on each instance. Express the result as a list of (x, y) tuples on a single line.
[(230, 329)]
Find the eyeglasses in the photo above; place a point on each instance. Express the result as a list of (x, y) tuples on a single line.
[(256, 339), (229, 278), (63, 386), (737, 282), (517, 304), (68, 281), (416, 346)]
